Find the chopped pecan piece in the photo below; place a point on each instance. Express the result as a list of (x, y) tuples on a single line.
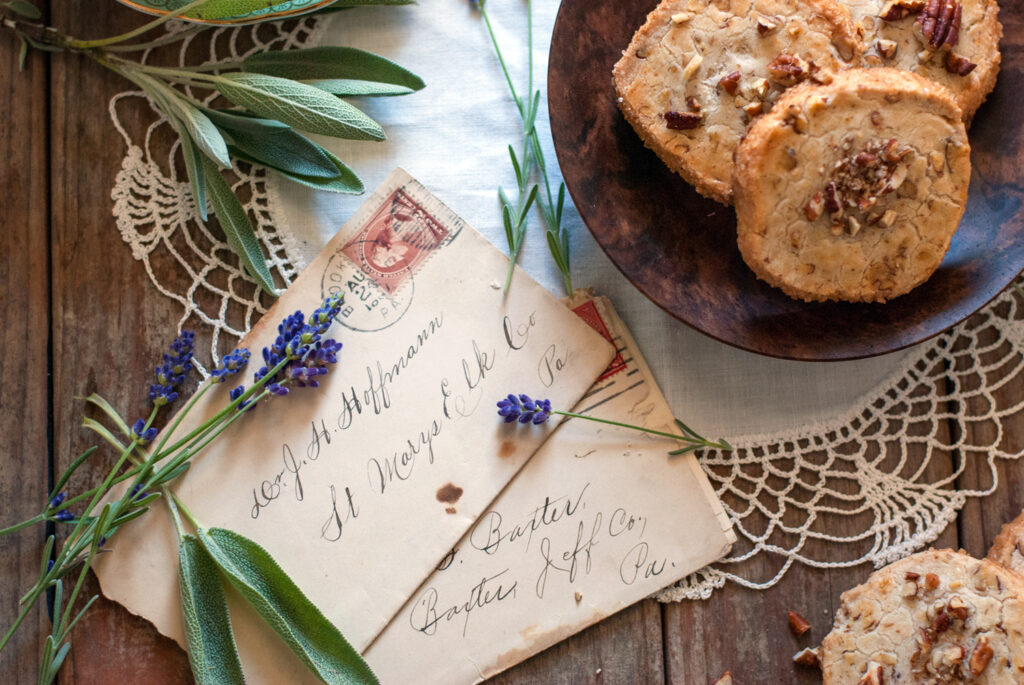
[(931, 581), (730, 82), (910, 575), (813, 209), (941, 622), (873, 676), (681, 121), (832, 203), (754, 109), (895, 10), (798, 625), (961, 66), (693, 104), (886, 48), (939, 22), (788, 70), (766, 25), (980, 657), (807, 657)]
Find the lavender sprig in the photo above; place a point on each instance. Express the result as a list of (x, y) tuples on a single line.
[(528, 164), (524, 409), (299, 356)]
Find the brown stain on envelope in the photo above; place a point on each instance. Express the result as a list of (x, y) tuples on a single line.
[(507, 449), (449, 493)]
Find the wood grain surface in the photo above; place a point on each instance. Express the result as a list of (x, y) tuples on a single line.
[(80, 315), (680, 249)]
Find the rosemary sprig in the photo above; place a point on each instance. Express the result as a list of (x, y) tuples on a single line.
[(275, 94), (528, 164)]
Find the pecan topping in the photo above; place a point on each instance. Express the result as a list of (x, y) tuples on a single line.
[(788, 70), (812, 211), (873, 676), (680, 121), (961, 66), (798, 625), (766, 25), (886, 48), (807, 657), (754, 109), (693, 104), (857, 183), (895, 10), (730, 82), (980, 657), (910, 575), (939, 22), (941, 622), (931, 581)]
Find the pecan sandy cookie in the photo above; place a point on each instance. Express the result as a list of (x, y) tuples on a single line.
[(853, 190), (935, 617), (1008, 548), (698, 71), (954, 42)]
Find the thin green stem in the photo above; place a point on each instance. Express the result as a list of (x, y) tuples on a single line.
[(101, 42), (681, 438), (175, 516), (185, 510), (169, 431), (501, 59), (159, 42), (38, 518), (215, 66)]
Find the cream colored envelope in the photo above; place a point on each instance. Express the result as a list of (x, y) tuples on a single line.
[(358, 487), (599, 519)]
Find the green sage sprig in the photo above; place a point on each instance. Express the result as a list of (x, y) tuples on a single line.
[(143, 473), (528, 164), (274, 95)]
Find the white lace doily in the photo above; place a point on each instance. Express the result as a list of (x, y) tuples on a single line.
[(869, 468)]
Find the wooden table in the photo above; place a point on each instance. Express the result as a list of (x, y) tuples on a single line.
[(80, 315)]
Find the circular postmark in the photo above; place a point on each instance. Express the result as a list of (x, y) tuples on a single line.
[(368, 307)]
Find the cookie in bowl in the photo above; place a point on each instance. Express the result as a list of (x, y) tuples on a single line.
[(954, 42), (699, 71), (851, 191), (935, 617)]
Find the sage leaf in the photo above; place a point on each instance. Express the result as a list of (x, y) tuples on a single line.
[(330, 62), (299, 105), (24, 8), (196, 176), (273, 144), (284, 607), (212, 652), (345, 180), (340, 5), (350, 87), (235, 223)]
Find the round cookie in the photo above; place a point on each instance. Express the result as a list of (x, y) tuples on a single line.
[(960, 51), (853, 190), (935, 617), (1008, 548), (698, 71)]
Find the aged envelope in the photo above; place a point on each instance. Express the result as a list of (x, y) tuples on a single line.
[(358, 487), (600, 518)]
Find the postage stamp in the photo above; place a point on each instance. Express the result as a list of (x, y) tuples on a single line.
[(398, 238), (589, 313), (376, 268)]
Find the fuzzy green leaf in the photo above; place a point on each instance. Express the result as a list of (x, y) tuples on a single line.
[(299, 105), (284, 607), (350, 87), (196, 176), (24, 8), (111, 413), (273, 144), (331, 63), (211, 641), (234, 221), (345, 180)]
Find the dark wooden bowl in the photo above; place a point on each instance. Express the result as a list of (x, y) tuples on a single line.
[(679, 248)]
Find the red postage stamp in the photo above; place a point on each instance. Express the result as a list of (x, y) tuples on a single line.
[(399, 237), (588, 312)]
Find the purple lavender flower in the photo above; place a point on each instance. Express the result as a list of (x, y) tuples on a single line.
[(238, 392), (57, 500), (136, 493), (143, 435), (303, 346), (524, 409), (64, 515), (231, 364), (170, 374)]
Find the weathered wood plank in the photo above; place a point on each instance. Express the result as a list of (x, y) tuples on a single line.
[(109, 324), (25, 340), (625, 648)]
